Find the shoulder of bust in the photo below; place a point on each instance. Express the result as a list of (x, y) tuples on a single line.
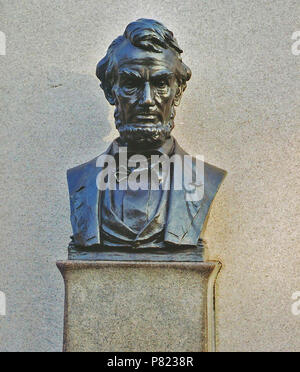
[(80, 174), (213, 176), (77, 174)]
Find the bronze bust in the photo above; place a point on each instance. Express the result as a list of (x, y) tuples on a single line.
[(144, 77)]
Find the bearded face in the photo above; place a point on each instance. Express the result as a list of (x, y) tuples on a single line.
[(145, 93), (147, 134)]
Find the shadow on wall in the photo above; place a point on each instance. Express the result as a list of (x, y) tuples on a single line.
[(82, 114), (69, 119)]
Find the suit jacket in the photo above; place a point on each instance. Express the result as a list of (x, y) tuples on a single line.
[(186, 220)]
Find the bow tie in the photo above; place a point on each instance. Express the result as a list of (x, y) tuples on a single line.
[(122, 172)]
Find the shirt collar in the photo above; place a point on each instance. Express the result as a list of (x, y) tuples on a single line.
[(166, 148)]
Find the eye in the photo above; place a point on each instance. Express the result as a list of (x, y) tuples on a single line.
[(130, 83), (161, 83)]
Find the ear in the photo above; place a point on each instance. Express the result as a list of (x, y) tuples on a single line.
[(178, 96), (108, 94), (111, 99)]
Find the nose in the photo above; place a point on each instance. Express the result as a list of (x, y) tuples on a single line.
[(147, 98)]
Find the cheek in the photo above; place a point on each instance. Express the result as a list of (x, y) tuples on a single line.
[(122, 100), (126, 98), (167, 100)]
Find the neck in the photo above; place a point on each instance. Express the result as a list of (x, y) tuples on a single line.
[(162, 147)]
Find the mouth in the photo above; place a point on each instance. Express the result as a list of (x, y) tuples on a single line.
[(146, 118)]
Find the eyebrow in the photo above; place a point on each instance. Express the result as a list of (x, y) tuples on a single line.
[(129, 73), (162, 74)]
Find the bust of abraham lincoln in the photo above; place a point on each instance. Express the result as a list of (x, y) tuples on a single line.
[(144, 77)]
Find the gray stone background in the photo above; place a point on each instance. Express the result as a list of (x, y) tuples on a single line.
[(241, 110)]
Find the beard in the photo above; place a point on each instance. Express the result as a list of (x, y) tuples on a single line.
[(146, 135)]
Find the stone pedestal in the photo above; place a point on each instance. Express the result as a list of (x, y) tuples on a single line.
[(139, 306)]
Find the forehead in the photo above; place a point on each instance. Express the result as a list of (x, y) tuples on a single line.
[(129, 56)]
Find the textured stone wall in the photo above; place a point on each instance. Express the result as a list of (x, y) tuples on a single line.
[(240, 110)]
